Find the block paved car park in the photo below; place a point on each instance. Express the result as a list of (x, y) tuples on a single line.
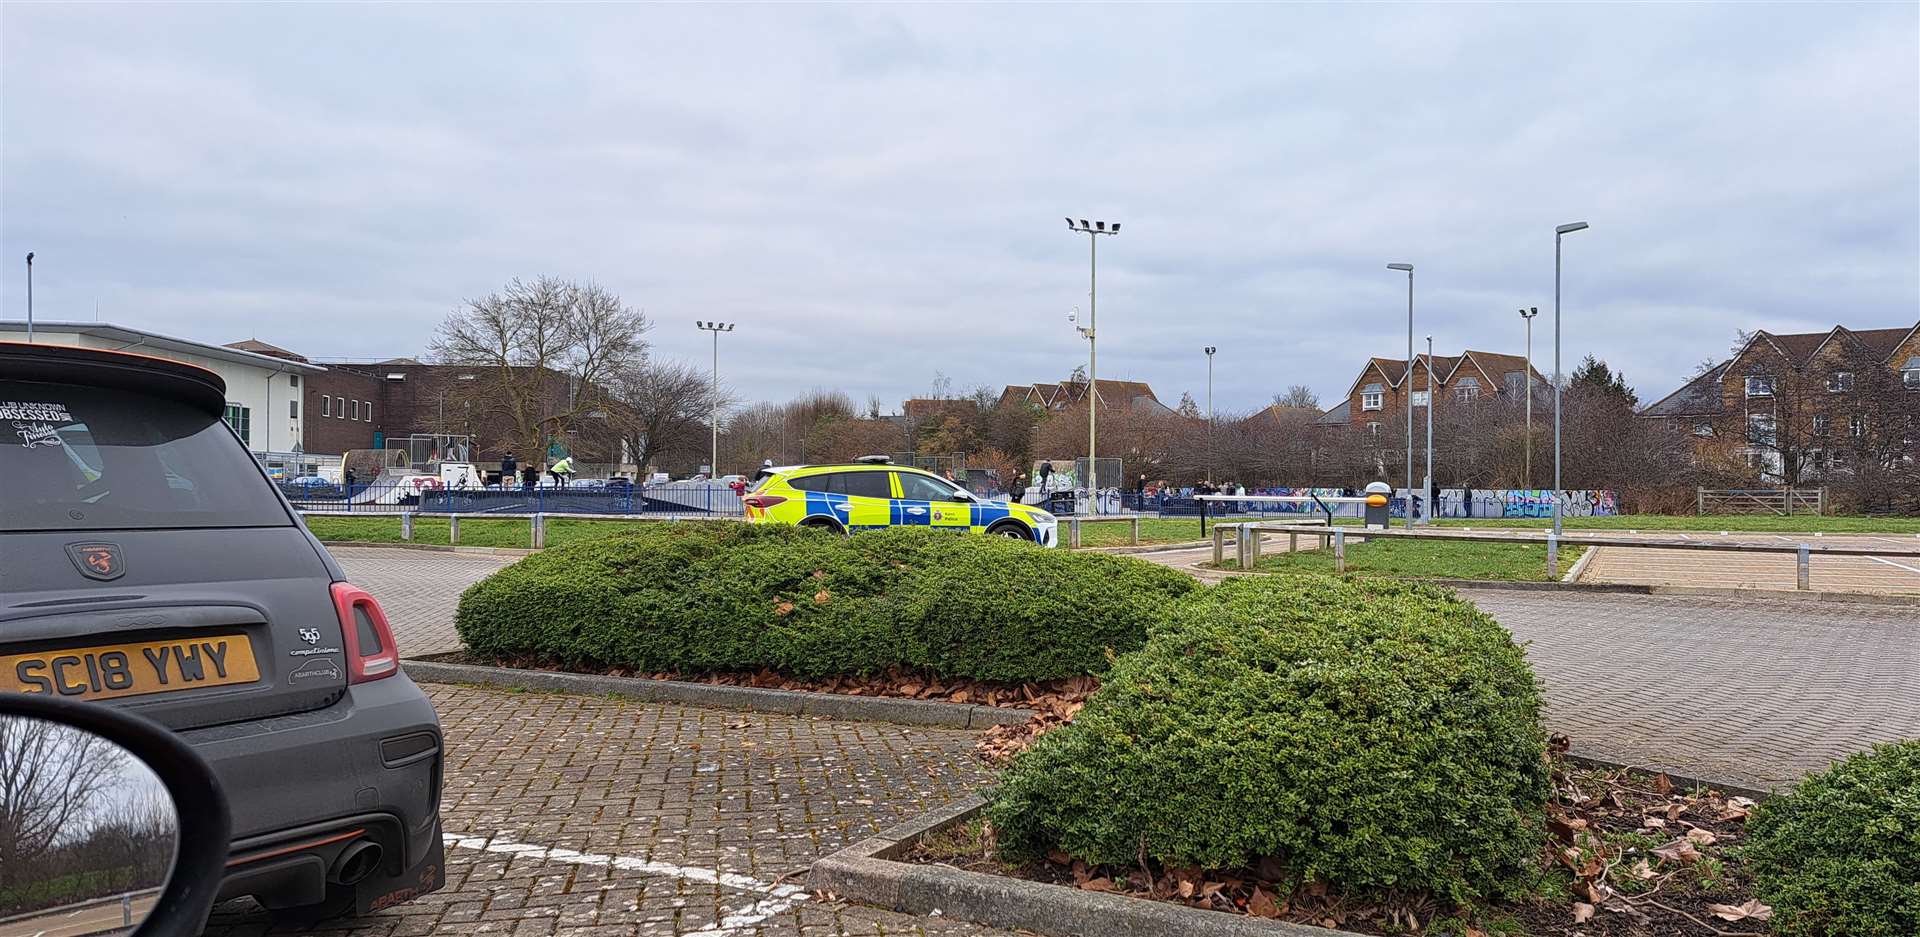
[(570, 815)]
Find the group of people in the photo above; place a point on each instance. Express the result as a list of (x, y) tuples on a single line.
[(561, 470)]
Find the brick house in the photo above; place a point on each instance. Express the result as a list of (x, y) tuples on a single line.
[(1130, 395), (1792, 404), (1381, 389)]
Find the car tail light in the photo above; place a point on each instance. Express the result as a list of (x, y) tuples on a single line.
[(762, 502), (371, 653)]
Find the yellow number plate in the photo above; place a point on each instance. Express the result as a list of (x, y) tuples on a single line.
[(132, 669)]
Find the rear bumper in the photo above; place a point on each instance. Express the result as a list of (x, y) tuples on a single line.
[(299, 786)]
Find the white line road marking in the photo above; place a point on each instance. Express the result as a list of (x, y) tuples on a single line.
[(751, 915), (781, 897), (1911, 569), (1891, 540)]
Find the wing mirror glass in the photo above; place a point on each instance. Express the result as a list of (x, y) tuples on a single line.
[(109, 824)]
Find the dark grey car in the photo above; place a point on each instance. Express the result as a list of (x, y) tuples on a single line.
[(147, 561)]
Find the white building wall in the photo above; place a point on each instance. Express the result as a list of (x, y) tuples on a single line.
[(263, 391)]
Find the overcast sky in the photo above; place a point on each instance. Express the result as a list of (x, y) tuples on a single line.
[(876, 193)]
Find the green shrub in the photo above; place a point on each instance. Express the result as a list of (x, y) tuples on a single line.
[(1364, 733), (1841, 853), (698, 598)]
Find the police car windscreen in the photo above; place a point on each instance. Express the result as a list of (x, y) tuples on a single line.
[(89, 458)]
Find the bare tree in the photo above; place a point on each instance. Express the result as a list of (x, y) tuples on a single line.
[(662, 407), (543, 353), (1300, 396), (51, 779)]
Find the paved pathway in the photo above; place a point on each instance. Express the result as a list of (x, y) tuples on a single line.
[(1895, 574), (418, 589), (680, 821)]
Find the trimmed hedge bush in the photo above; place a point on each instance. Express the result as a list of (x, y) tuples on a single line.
[(1363, 733), (1840, 855), (707, 597)]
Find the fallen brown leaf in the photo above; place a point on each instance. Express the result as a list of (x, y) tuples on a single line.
[(1680, 850), (1582, 912), (1058, 857), (1263, 905), (1097, 884), (1751, 910), (1702, 837), (1662, 783)]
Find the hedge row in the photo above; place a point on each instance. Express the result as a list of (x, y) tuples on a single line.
[(1840, 855), (1362, 732), (702, 598)]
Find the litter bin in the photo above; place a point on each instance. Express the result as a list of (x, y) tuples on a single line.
[(1378, 513)]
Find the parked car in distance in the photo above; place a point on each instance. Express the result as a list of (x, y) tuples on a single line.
[(150, 564)]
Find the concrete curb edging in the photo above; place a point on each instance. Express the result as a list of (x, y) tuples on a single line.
[(910, 712), (868, 873)]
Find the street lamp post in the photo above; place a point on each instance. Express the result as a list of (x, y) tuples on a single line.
[(1409, 389), (1433, 398), (713, 464), (1526, 375), (29, 297), (1210, 350), (1093, 232), (1558, 233)]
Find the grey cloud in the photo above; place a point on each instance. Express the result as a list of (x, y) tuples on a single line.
[(874, 193)]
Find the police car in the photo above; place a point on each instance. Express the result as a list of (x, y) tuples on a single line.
[(871, 493)]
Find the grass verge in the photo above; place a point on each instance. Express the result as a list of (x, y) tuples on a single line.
[(1424, 559), (475, 531), (1741, 522)]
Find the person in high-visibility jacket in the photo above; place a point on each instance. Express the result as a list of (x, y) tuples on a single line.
[(561, 470)]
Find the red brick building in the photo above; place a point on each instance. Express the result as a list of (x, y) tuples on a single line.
[(1382, 387)]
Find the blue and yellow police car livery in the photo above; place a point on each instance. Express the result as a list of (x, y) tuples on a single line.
[(873, 493)]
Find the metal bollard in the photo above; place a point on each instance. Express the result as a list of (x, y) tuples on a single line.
[(126, 911), (1257, 540), (453, 528), (1136, 530), (1243, 547), (1805, 567), (539, 530), (406, 526), (1553, 557), (1073, 533), (1219, 545), (1293, 542), (1339, 551)]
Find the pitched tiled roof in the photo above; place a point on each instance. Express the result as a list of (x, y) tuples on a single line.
[(1336, 415), (259, 347), (1699, 397)]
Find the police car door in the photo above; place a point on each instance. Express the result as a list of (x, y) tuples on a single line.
[(927, 501), (869, 498)]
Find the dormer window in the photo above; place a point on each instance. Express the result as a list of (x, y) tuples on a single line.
[(1759, 385)]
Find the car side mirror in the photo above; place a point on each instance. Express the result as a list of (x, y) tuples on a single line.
[(102, 846), (964, 496)]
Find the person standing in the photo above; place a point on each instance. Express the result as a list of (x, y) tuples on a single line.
[(1046, 476), (509, 467), (530, 476), (350, 481), (1017, 488)]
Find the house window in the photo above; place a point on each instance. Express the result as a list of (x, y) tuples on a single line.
[(293, 380), (1857, 426), (356, 409), (1468, 390), (1840, 382), (1760, 428), (1372, 397), (1820, 424), (1373, 428), (326, 405), (369, 406), (1910, 373), (1759, 385), (293, 409), (1703, 428), (1420, 398), (241, 419)]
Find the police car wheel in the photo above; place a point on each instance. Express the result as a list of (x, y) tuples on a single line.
[(1011, 531)]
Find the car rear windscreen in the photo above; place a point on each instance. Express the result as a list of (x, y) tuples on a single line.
[(86, 458)]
